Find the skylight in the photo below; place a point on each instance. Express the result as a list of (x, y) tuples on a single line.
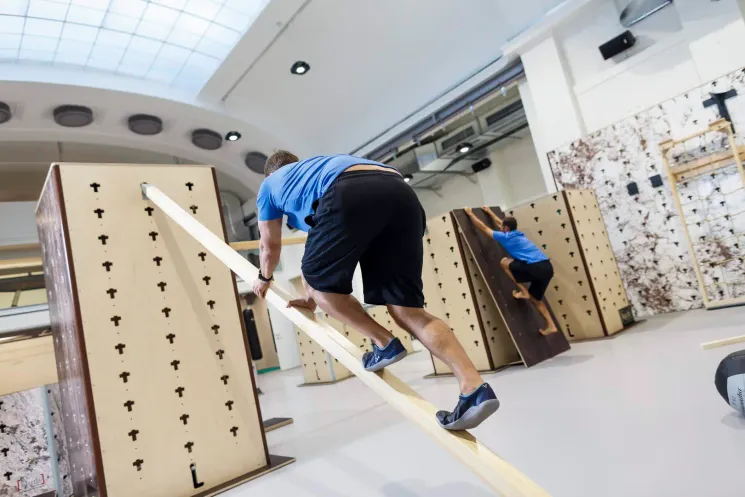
[(175, 42)]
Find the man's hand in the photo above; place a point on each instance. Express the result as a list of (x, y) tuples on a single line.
[(261, 287), (469, 211), (306, 303), (487, 209)]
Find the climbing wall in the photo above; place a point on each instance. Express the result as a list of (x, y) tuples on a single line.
[(713, 205), (501, 346), (521, 318), (547, 223), (600, 263), (318, 365), (451, 279), (157, 387), (433, 302)]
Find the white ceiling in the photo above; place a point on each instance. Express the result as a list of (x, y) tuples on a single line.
[(372, 64)]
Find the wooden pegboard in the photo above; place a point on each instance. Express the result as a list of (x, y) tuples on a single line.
[(317, 363), (501, 346), (547, 223), (157, 385), (442, 247), (601, 264), (433, 302), (522, 319)]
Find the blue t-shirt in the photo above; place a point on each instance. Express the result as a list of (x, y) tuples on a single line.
[(519, 247), (293, 188)]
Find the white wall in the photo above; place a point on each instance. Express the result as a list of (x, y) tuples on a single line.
[(520, 171), (18, 223), (571, 91), (680, 47), (514, 177)]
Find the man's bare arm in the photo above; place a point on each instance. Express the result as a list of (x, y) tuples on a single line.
[(479, 223), (493, 216), (270, 246)]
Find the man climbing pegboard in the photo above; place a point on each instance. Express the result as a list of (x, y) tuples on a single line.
[(157, 385), (586, 293)]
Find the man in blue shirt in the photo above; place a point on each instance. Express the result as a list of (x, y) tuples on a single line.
[(526, 264), (358, 211)]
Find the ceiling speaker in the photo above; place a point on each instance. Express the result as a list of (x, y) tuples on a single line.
[(145, 124), (5, 113), (619, 44), (255, 161), (73, 116), (206, 139)]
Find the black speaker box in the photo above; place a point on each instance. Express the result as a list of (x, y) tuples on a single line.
[(620, 43)]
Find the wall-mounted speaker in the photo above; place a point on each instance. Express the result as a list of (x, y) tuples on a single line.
[(619, 44), (479, 166)]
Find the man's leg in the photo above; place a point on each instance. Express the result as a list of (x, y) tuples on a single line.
[(436, 335), (550, 325), (523, 293)]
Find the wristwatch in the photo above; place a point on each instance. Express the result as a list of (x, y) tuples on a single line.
[(264, 278)]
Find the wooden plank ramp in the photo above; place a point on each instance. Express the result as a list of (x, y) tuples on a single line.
[(492, 469)]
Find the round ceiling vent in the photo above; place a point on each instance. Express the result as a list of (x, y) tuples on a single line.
[(73, 116), (206, 139), (145, 124), (5, 113), (255, 161)]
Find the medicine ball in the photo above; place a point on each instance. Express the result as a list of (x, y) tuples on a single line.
[(730, 380)]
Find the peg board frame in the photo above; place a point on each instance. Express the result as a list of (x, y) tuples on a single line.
[(550, 223), (157, 386), (443, 249), (521, 318), (600, 262)]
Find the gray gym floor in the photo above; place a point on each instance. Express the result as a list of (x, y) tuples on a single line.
[(634, 416)]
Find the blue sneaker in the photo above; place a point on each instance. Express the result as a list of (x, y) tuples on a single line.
[(380, 358), (471, 410)]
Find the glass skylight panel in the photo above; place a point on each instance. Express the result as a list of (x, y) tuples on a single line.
[(176, 42), (46, 9)]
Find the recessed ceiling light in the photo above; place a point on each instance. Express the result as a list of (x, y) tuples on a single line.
[(408, 177), (233, 136), (464, 147), (300, 67)]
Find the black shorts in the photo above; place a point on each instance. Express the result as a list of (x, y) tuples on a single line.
[(538, 274), (375, 219)]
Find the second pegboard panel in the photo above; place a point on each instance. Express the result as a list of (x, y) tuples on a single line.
[(546, 221), (602, 267)]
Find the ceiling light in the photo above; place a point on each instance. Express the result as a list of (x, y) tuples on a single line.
[(300, 67), (408, 177), (233, 136), (464, 147)]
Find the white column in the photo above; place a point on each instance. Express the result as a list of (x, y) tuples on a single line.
[(549, 101)]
